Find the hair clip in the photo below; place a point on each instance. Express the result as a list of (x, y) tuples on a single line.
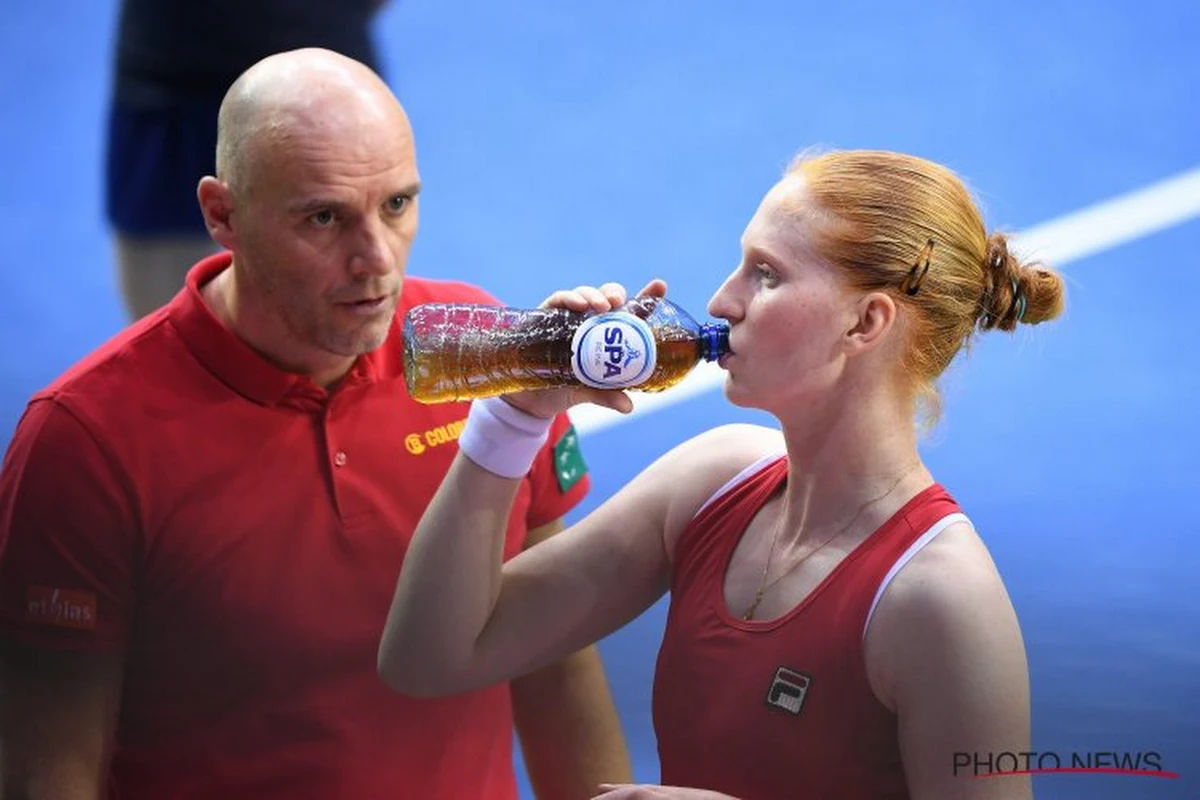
[(1017, 302), (912, 281)]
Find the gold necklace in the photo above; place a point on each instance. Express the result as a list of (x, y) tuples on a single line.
[(763, 586)]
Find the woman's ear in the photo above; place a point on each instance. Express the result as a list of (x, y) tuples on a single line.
[(875, 316)]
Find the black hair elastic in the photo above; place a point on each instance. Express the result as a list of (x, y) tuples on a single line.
[(1017, 302)]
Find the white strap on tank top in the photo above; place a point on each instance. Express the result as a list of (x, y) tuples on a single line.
[(914, 548), (736, 479)]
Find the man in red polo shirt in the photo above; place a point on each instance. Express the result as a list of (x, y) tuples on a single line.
[(201, 523)]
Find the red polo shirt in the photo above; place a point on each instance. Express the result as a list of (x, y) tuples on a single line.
[(238, 531)]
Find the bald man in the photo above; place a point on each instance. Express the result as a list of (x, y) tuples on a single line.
[(201, 523)]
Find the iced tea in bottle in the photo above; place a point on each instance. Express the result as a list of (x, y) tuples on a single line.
[(460, 351)]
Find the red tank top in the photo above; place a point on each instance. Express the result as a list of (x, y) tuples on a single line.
[(781, 708)]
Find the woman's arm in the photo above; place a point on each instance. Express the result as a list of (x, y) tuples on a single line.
[(461, 619), (945, 652)]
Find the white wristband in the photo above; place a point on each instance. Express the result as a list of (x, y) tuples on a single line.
[(502, 439)]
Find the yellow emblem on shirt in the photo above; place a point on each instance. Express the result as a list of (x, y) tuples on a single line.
[(418, 443)]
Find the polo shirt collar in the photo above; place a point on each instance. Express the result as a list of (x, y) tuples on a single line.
[(236, 363)]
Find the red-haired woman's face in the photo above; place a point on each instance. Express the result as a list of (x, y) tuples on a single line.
[(787, 310)]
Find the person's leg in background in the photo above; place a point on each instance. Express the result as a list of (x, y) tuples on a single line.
[(172, 63), (156, 157), (152, 270)]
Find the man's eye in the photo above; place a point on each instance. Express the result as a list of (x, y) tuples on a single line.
[(398, 203), (323, 218)]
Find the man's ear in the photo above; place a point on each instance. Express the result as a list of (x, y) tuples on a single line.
[(876, 314), (216, 204)]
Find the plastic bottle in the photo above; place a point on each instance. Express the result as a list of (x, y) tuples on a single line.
[(460, 351)]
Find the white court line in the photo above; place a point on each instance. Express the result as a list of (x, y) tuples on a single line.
[(1057, 242), (1114, 222)]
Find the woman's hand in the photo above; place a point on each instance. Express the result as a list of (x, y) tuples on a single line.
[(546, 403)]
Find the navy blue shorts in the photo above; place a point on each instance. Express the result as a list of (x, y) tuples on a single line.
[(155, 159)]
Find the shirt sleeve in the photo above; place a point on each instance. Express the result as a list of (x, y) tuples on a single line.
[(559, 478), (68, 536)]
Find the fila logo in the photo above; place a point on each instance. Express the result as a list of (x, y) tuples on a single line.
[(788, 690)]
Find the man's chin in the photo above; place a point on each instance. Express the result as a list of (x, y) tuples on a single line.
[(364, 340)]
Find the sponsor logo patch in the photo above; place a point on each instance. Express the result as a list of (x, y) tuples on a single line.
[(569, 466), (418, 443), (788, 690), (62, 608)]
